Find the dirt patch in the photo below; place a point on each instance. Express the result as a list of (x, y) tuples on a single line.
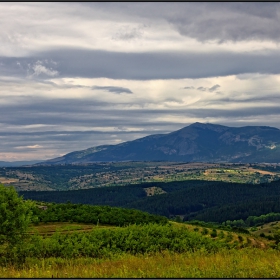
[(154, 191), (7, 180)]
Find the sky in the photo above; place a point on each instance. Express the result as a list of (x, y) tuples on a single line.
[(79, 75)]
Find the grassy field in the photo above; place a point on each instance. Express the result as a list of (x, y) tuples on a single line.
[(249, 257), (268, 229), (244, 263)]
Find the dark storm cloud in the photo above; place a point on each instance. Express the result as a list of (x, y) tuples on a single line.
[(113, 89), (149, 65)]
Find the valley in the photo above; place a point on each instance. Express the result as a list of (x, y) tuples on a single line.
[(96, 175)]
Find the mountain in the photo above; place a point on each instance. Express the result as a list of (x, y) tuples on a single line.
[(195, 143)]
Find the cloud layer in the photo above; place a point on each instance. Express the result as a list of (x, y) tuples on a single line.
[(77, 75)]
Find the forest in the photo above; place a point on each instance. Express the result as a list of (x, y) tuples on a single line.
[(82, 213), (191, 200)]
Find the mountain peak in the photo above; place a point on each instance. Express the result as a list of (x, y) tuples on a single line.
[(210, 126), (198, 124), (198, 142)]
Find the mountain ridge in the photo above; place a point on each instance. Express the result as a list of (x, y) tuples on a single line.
[(197, 142)]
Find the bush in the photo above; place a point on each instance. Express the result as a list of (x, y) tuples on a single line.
[(205, 231), (80, 213), (132, 239), (221, 234), (15, 216), (213, 233)]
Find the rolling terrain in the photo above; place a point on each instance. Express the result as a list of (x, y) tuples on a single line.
[(56, 245), (96, 175), (209, 201)]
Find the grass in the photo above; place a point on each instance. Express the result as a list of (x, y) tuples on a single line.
[(252, 258), (267, 229), (251, 240), (244, 263)]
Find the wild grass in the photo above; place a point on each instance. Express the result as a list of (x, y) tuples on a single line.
[(244, 263)]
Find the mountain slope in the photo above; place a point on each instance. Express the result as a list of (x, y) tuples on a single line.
[(197, 142)]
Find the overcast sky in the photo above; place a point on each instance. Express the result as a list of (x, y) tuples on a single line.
[(78, 75)]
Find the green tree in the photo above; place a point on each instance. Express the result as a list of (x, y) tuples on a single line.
[(15, 216)]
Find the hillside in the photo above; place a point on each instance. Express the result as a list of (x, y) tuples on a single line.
[(192, 199), (76, 240), (195, 143)]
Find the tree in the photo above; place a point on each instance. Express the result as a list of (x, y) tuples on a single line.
[(15, 215)]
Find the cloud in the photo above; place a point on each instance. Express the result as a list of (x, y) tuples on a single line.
[(126, 33), (244, 100), (29, 147), (202, 88), (40, 69), (63, 125), (221, 22), (113, 89), (225, 22), (172, 99), (148, 65), (34, 146), (213, 88), (55, 73)]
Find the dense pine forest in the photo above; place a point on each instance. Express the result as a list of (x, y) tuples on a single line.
[(191, 200)]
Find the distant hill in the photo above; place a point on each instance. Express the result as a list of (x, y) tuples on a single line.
[(18, 163), (195, 143)]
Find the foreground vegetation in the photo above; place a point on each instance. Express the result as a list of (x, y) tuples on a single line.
[(68, 240), (245, 263)]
